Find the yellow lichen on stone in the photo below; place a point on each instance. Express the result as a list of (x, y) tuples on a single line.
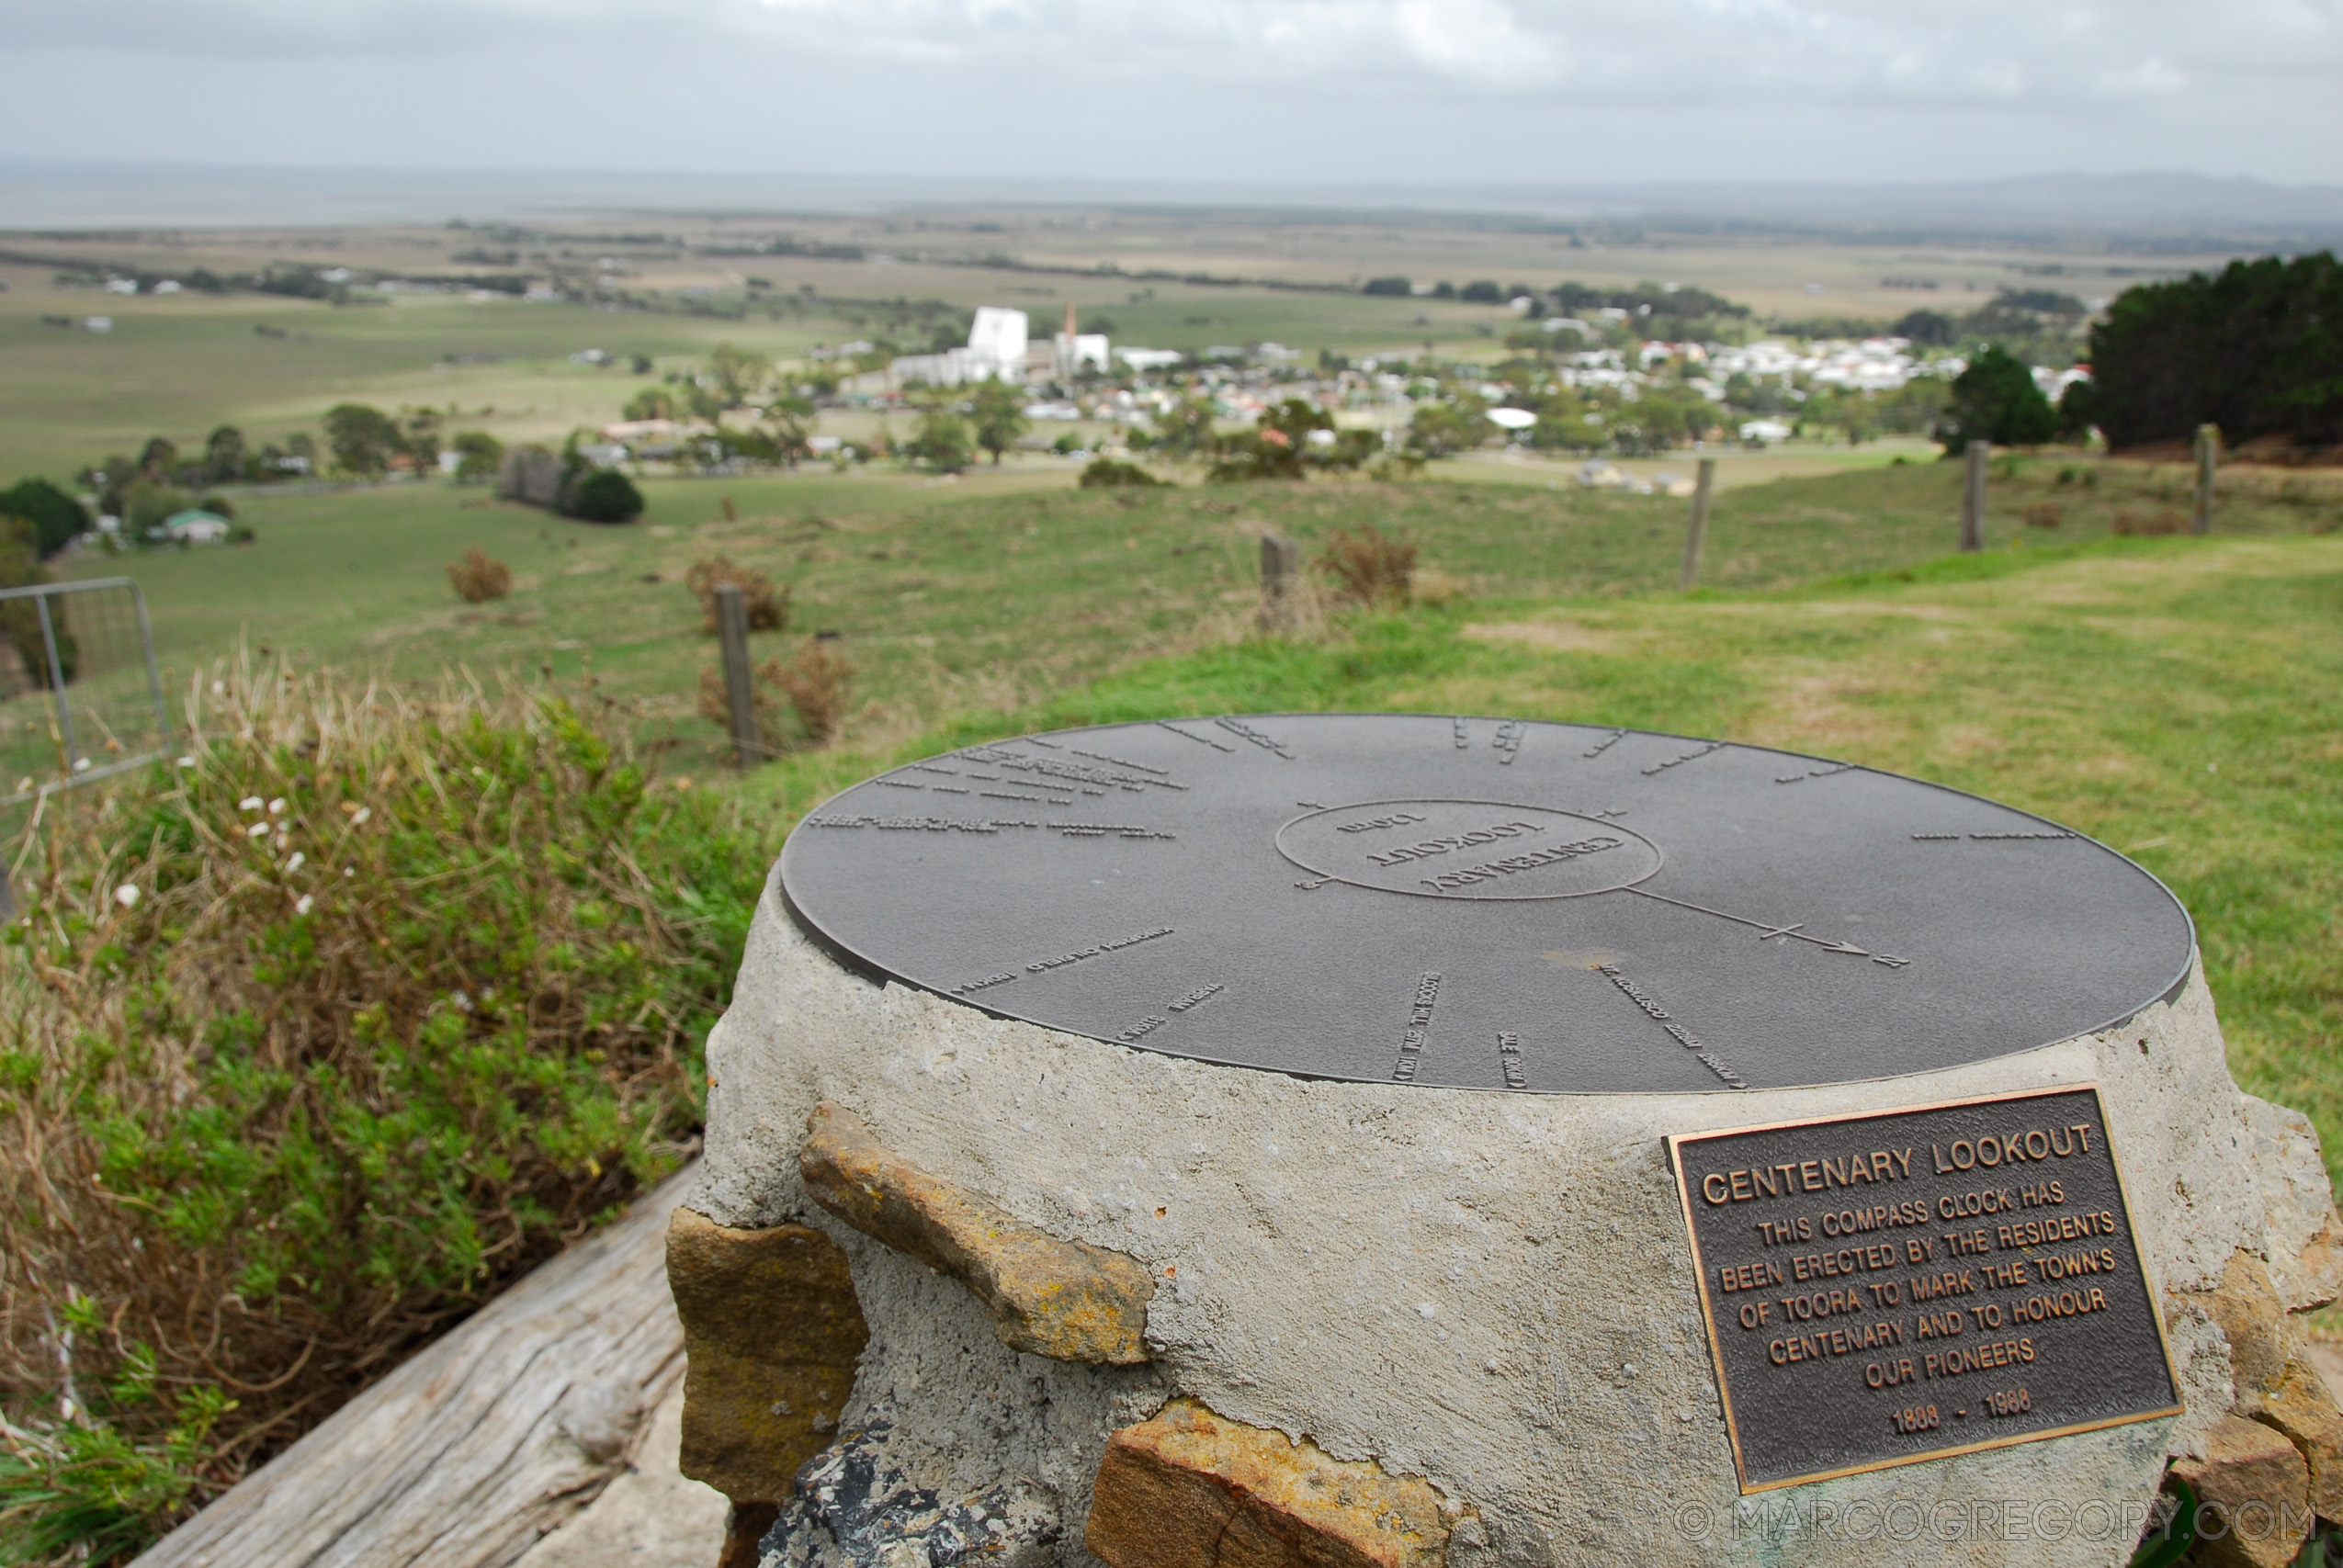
[(2303, 1412), (772, 1331), (1063, 1298), (1191, 1489)]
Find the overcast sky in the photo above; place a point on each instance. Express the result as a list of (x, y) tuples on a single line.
[(1354, 92)]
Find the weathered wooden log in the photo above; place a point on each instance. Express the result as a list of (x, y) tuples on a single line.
[(493, 1436)]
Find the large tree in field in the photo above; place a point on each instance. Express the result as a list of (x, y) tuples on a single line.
[(737, 375), (789, 424), (941, 439), (1186, 429), (997, 412), (363, 440), (1996, 399), (224, 457)]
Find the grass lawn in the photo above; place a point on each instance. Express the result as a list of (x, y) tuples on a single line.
[(995, 589)]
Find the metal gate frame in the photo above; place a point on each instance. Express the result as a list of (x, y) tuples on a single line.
[(77, 766)]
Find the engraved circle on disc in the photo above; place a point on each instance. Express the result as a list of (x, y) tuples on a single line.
[(1467, 849)]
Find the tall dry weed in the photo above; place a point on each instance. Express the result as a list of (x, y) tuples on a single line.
[(767, 606), (816, 681), (478, 577), (1368, 566)]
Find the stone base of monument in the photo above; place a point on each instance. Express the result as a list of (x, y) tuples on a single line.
[(964, 1287)]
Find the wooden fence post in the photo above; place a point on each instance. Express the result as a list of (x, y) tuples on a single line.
[(1696, 532), (1973, 498), (739, 688), (2208, 463), (1281, 568)]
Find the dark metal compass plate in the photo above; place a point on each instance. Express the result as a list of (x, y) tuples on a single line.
[(1482, 903)]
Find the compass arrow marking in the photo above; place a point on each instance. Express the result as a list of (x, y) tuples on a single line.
[(1765, 928)]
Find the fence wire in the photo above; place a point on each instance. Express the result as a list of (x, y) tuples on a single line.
[(79, 695)]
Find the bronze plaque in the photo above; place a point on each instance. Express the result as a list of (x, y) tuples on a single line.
[(1903, 1285)]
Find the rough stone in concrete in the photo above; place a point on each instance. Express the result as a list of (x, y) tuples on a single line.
[(1061, 1299), (2304, 1236), (2253, 1489), (2261, 1340), (2302, 1411), (855, 1507), (965, 1416), (1189, 1489), (772, 1332)]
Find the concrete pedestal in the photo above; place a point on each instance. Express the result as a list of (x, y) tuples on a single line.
[(1490, 1292)]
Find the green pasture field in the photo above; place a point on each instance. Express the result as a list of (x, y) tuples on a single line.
[(997, 589), (181, 365)]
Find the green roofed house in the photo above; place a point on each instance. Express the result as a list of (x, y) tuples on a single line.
[(193, 526)]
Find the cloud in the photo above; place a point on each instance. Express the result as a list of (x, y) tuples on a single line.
[(2151, 77), (1581, 87)]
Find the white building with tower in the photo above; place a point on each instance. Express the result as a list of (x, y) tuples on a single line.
[(995, 351)]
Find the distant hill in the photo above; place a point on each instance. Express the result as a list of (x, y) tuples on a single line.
[(2148, 211), (2147, 205)]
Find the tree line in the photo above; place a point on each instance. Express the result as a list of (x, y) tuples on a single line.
[(2256, 348)]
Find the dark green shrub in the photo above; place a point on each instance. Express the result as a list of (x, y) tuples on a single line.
[(57, 518), (1996, 399), (605, 495), (1105, 473)]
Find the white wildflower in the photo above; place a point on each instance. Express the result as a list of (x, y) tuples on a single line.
[(357, 818), (186, 761), (304, 905), (277, 807), (297, 862), (257, 830), (126, 896), (249, 803)]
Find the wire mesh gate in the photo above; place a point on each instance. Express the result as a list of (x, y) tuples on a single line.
[(80, 697)]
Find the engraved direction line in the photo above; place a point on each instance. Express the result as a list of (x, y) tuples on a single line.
[(1990, 838), (1829, 772), (1677, 1031), (1244, 731), (1767, 929), (1688, 757), (1199, 740), (1063, 960)]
